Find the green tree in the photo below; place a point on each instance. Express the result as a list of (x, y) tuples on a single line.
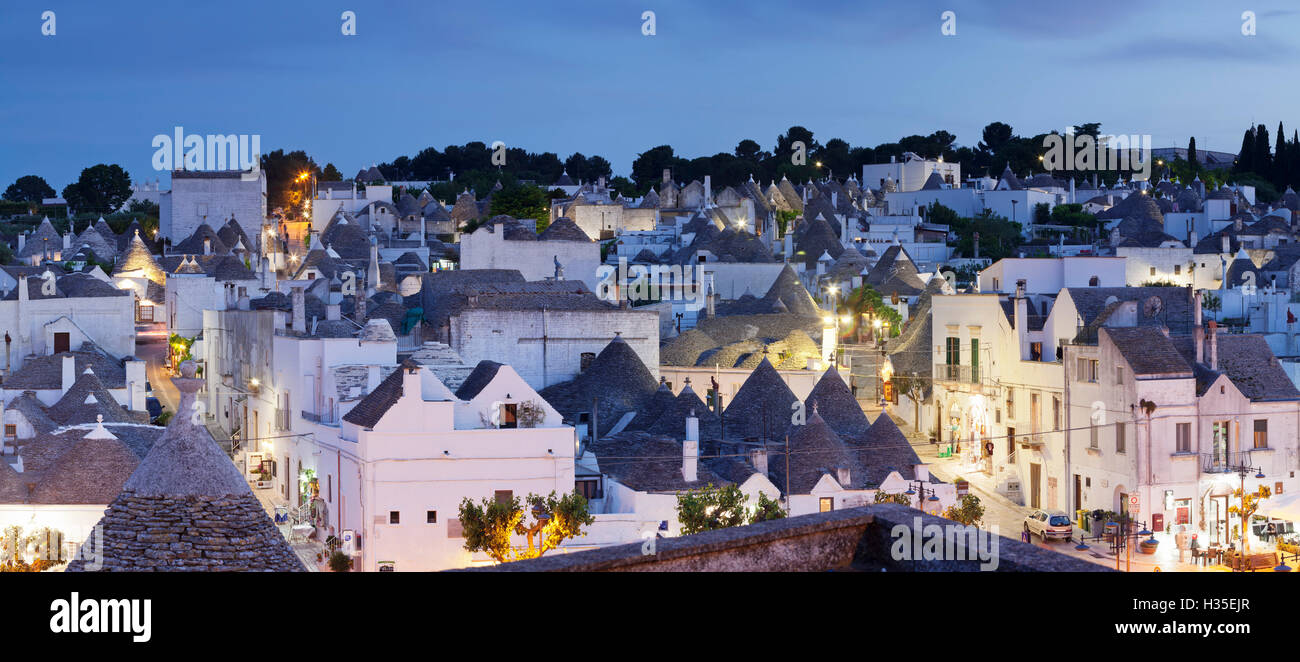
[(489, 525), (288, 180), (710, 508), (900, 498), (29, 188), (330, 174), (999, 237), (968, 512), (767, 510), (101, 189), (1191, 151), (865, 301), (522, 201)]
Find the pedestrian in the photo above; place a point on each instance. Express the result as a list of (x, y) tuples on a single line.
[(1024, 536)]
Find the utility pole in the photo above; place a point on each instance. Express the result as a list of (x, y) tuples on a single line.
[(787, 474)]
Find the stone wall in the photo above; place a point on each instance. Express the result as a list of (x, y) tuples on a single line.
[(856, 539)]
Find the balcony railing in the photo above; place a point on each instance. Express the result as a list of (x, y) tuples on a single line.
[(957, 373), (1225, 462)]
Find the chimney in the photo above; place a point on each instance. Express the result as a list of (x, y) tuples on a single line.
[(1198, 331), (372, 378), (67, 239), (69, 371), (843, 476), (835, 200), (411, 381), (668, 175), (207, 245), (1191, 239), (922, 472), (708, 190), (1022, 319), (758, 457), (1214, 345), (691, 449), (299, 311), (710, 301), (1225, 244), (22, 240), (360, 314), (22, 289), (1236, 225), (332, 311)]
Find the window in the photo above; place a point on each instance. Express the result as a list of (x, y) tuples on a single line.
[(1261, 433), (505, 496), (826, 504), (1094, 281), (509, 415), (11, 431), (954, 351), (62, 342), (431, 516), (589, 488), (1056, 413), (1183, 438), (1087, 369), (1119, 375), (1178, 269), (329, 487), (1036, 351), (1092, 437), (1011, 404), (587, 358), (1153, 271), (1121, 438), (394, 517)]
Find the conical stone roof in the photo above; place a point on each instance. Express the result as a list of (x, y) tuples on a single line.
[(186, 508), (762, 407)]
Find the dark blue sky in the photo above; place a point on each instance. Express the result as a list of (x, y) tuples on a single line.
[(567, 77)]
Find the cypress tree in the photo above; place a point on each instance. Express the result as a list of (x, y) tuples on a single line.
[(1263, 161), (1280, 161), (1245, 157), (1191, 152)]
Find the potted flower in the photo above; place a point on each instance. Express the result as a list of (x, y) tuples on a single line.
[(1149, 545)]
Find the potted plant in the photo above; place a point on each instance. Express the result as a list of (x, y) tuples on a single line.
[(1148, 546), (339, 562)]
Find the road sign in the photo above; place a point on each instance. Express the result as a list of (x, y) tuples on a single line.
[(1134, 504)]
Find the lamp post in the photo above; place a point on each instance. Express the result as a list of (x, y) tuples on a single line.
[(915, 488)]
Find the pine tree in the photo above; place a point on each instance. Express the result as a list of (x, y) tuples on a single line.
[(1191, 152)]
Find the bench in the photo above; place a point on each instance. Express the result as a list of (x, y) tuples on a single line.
[(1255, 562)]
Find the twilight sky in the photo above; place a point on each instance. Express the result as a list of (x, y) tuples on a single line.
[(580, 76)]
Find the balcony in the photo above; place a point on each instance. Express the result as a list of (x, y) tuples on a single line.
[(1223, 463), (963, 374)]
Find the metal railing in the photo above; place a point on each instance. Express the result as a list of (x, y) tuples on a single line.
[(957, 373), (1224, 462)]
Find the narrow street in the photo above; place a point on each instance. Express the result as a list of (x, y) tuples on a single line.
[(155, 356)]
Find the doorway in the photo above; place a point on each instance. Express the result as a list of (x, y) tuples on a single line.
[(62, 342), (1035, 485), (1078, 492)]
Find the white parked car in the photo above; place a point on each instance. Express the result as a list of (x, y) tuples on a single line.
[(1049, 525)]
